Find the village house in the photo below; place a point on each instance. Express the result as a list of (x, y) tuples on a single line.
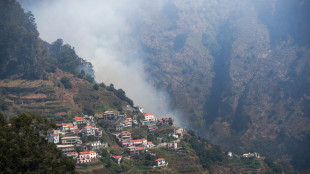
[(160, 162), (73, 140), (96, 145), (71, 154), (150, 145), (54, 131), (152, 127), (66, 148), (125, 135), (90, 130), (54, 138), (138, 142), (133, 150), (127, 122), (67, 128), (141, 149), (119, 127), (172, 146), (249, 155), (83, 157), (166, 120), (117, 159), (149, 119), (109, 116)]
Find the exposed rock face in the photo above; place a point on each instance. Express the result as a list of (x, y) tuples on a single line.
[(237, 69)]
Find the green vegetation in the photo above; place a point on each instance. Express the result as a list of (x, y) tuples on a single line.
[(24, 150), (207, 153), (66, 82)]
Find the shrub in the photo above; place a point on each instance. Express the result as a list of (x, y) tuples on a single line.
[(66, 82)]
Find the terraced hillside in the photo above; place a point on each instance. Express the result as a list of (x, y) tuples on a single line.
[(50, 98)]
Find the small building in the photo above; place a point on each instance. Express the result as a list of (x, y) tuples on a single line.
[(96, 145), (119, 127), (150, 145), (109, 116), (125, 135), (66, 148), (172, 146), (149, 119), (83, 157), (152, 127), (73, 140), (117, 159), (249, 155), (88, 130), (71, 154), (160, 162), (54, 138), (133, 150), (54, 131)]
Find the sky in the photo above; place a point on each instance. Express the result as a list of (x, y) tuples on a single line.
[(103, 33)]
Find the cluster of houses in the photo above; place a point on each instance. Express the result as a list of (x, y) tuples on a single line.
[(67, 138)]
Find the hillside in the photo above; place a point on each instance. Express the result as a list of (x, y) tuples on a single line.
[(234, 82), (238, 70), (50, 98)]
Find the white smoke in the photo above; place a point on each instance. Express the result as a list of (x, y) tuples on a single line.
[(102, 32)]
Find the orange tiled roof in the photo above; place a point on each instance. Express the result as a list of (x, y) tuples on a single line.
[(78, 118), (148, 114), (125, 132), (116, 157), (149, 142), (143, 139), (140, 148), (135, 140), (54, 135), (88, 127), (160, 159), (84, 153)]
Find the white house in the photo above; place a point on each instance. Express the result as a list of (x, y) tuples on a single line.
[(160, 162), (54, 138)]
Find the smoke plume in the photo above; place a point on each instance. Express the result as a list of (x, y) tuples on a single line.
[(103, 32)]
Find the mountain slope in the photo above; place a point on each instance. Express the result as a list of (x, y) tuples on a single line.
[(239, 70)]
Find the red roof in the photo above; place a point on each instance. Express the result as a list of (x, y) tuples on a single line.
[(148, 114), (160, 159), (140, 148), (143, 139), (116, 157), (135, 140), (125, 121), (88, 127), (87, 152), (125, 132), (54, 135), (78, 118), (149, 142)]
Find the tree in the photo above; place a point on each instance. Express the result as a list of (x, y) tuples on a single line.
[(24, 150), (96, 87), (66, 82)]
